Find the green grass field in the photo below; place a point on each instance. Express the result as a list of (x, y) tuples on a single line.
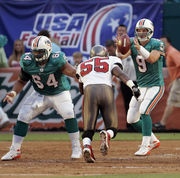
[(63, 136)]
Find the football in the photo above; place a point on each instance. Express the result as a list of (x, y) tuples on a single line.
[(124, 44)]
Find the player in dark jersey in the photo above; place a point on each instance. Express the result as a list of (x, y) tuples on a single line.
[(147, 54), (45, 70)]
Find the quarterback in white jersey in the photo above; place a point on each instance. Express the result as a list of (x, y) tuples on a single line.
[(95, 77)]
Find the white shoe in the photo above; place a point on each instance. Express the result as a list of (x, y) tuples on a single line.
[(105, 138), (4, 120), (143, 151), (76, 152), (154, 144), (12, 154)]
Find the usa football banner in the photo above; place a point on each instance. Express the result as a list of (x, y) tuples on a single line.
[(76, 25)]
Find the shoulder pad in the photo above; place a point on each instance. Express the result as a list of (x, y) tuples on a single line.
[(26, 60), (57, 58)]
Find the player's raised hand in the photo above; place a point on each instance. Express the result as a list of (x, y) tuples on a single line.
[(118, 42), (136, 44), (10, 97)]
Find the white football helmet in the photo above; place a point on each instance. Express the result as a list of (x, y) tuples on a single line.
[(41, 49), (147, 24), (98, 50)]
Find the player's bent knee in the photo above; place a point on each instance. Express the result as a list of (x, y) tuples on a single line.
[(133, 115), (88, 133), (24, 118)]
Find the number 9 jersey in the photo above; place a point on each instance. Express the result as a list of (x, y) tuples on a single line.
[(47, 79), (97, 70), (148, 74)]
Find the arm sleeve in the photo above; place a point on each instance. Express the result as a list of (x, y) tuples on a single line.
[(159, 46)]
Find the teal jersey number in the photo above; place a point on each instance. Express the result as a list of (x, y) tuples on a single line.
[(149, 75), (46, 80)]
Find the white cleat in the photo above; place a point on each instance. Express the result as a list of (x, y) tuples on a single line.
[(154, 144), (12, 154), (105, 138), (143, 151), (76, 153)]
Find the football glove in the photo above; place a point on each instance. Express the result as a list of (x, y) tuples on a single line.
[(136, 92)]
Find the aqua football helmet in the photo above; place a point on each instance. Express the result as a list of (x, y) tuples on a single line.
[(41, 49), (148, 33)]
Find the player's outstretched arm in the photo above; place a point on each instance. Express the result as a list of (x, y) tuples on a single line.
[(124, 78), (69, 70), (18, 86)]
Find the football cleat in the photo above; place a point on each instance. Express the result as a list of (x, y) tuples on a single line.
[(88, 154), (154, 144), (143, 151), (76, 153), (12, 154), (105, 138)]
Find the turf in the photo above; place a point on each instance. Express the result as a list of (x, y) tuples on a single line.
[(106, 176), (63, 136)]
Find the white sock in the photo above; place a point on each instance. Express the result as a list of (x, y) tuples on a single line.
[(17, 141), (146, 140), (86, 141), (75, 139), (111, 133), (153, 138)]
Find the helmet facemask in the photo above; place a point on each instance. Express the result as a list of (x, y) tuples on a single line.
[(41, 55), (143, 36), (144, 30)]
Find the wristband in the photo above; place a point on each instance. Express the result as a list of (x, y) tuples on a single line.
[(14, 93), (130, 83), (143, 52)]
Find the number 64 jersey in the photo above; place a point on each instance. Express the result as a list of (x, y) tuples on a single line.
[(47, 79), (97, 70)]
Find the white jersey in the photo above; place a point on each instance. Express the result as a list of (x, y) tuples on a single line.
[(97, 70)]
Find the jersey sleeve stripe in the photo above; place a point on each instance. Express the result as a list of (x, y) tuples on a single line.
[(163, 54)]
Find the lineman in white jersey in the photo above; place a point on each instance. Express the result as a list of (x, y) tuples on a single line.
[(95, 77)]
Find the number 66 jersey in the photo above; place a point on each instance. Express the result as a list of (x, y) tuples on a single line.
[(97, 70)]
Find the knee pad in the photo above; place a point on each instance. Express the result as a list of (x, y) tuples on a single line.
[(88, 133)]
